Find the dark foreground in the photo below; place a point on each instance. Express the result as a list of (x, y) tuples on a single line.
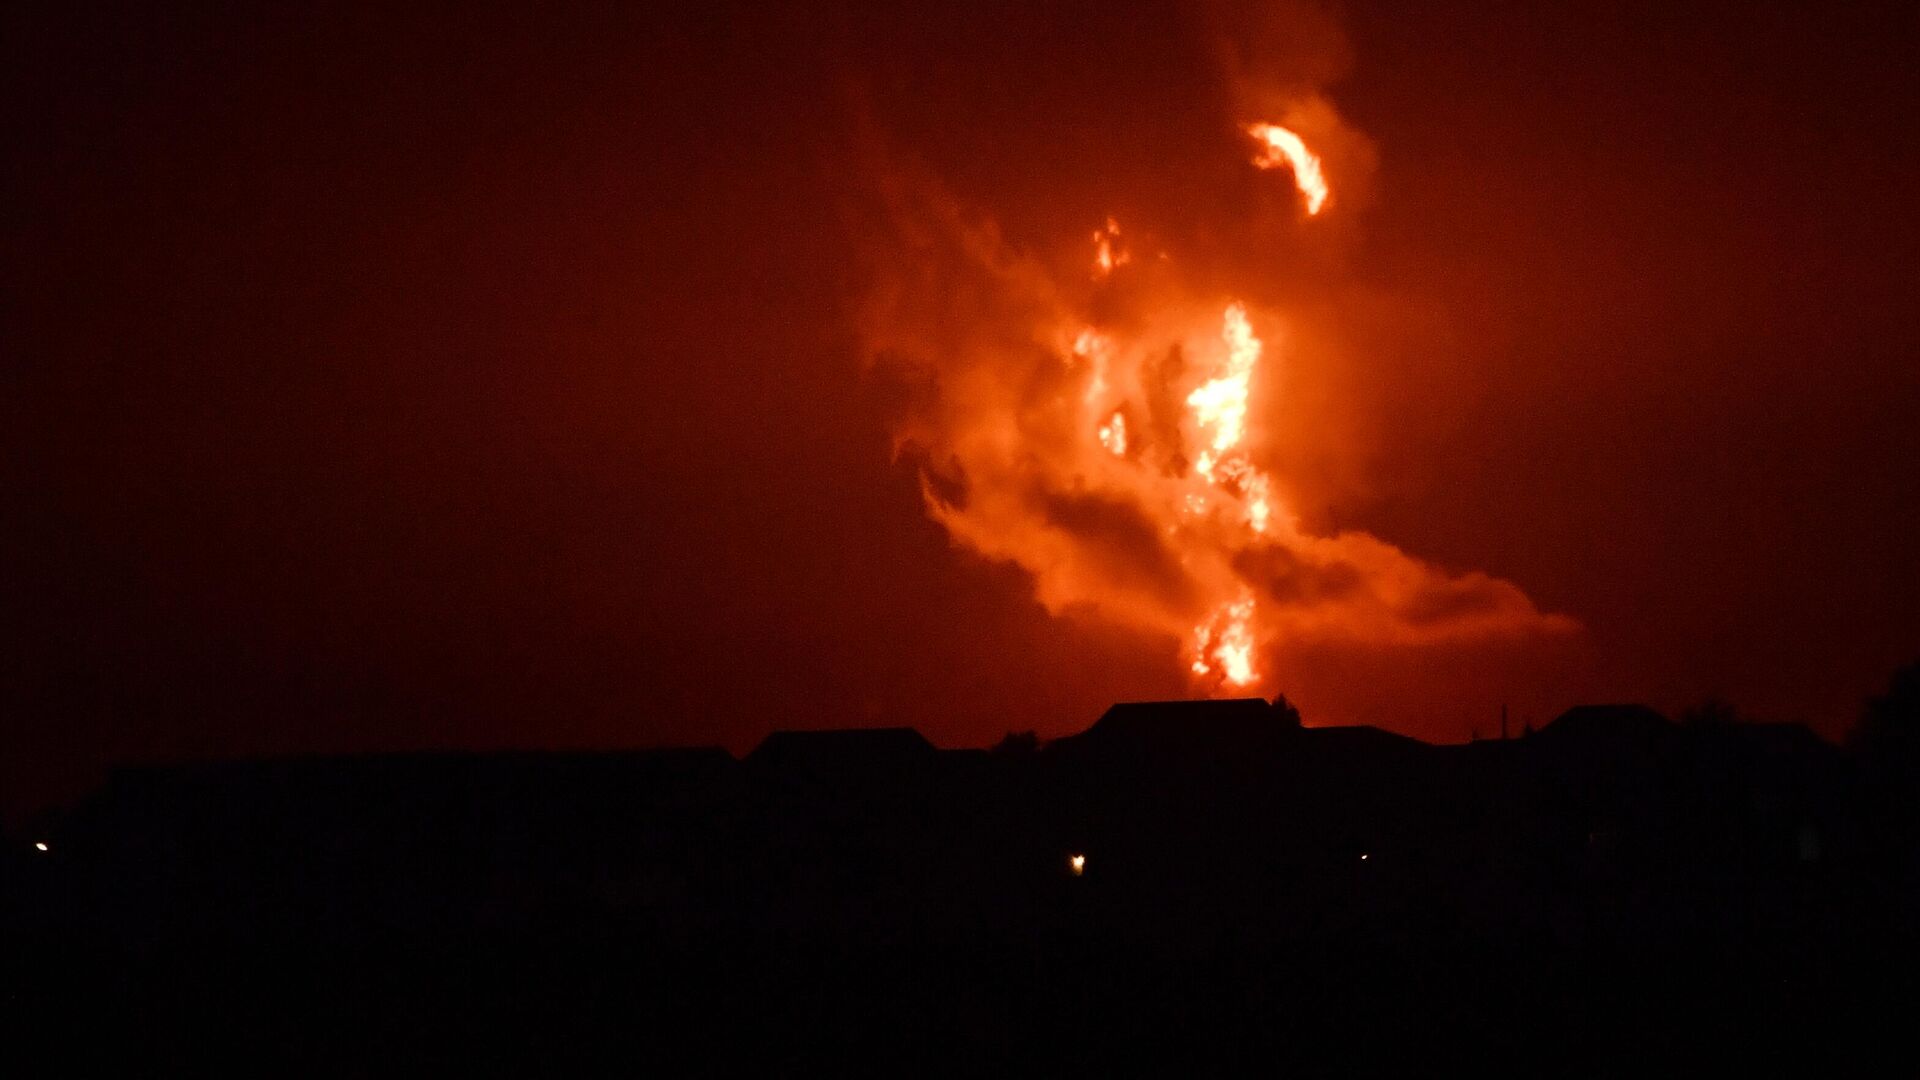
[(1612, 895)]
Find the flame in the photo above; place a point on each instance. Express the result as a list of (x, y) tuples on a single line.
[(1278, 146), (1220, 403), (1224, 643), (1108, 256), (1104, 431), (1095, 350), (1259, 496)]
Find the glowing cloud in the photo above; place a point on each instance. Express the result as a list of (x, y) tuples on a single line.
[(1098, 422)]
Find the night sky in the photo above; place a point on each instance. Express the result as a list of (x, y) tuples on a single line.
[(462, 378)]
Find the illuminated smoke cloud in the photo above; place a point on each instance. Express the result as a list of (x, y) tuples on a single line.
[(1091, 417)]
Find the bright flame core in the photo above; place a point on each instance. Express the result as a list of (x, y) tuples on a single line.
[(1278, 146), (1224, 644), (1222, 474), (1220, 404)]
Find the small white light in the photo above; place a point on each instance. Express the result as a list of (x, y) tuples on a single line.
[(1077, 864), (40, 845), (1364, 858)]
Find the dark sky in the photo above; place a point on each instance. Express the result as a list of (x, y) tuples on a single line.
[(488, 378)]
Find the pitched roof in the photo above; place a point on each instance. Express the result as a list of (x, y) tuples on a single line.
[(1182, 724), (1608, 723), (1362, 739)]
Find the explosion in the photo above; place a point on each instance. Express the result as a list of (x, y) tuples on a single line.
[(1102, 429)]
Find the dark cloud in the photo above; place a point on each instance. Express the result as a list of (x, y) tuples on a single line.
[(1450, 600), (1292, 580), (1124, 544)]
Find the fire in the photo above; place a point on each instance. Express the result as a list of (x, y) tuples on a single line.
[(1224, 644), (1259, 501), (1102, 428), (1220, 404), (1108, 255), (1094, 349), (1278, 146)]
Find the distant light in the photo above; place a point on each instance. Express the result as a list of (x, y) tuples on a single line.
[(1364, 858), (40, 845), (1077, 864)]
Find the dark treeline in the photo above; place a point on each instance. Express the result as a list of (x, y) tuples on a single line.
[(1207, 880)]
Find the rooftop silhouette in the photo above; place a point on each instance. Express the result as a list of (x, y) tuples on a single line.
[(1168, 841)]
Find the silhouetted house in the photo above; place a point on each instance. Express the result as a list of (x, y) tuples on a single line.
[(1777, 791), (1602, 771), (1602, 725), (1774, 741), (856, 831), (1166, 730), (1208, 823), (403, 840), (1605, 740), (1694, 808), (1361, 741)]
